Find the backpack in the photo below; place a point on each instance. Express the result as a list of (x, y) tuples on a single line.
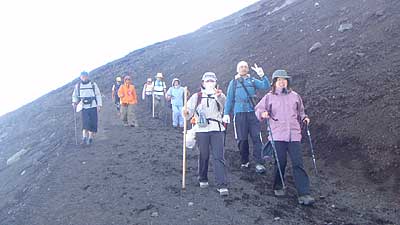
[(162, 84), (202, 120), (87, 100)]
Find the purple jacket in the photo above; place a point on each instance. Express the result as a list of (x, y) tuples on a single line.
[(288, 110)]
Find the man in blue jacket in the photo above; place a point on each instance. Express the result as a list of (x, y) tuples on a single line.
[(241, 100)]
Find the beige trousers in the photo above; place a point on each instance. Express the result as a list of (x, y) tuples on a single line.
[(128, 114)]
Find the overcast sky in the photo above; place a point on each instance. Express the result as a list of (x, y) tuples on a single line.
[(46, 43)]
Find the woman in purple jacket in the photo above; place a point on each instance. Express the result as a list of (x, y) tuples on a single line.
[(285, 111)]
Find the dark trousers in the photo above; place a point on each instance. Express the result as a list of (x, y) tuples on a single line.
[(117, 103), (148, 99), (246, 123), (212, 141), (89, 119), (301, 179)]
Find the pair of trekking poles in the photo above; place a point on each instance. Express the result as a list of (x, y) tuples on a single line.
[(312, 155)]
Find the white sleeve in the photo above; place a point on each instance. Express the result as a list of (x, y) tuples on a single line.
[(75, 94), (98, 95)]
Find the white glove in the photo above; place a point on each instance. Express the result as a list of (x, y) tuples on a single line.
[(226, 119), (258, 70)]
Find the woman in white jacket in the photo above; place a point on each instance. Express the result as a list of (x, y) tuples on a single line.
[(207, 107)]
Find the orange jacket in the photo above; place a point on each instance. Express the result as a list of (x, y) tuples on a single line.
[(127, 94)]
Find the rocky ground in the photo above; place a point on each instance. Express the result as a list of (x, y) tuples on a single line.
[(345, 61), (133, 176)]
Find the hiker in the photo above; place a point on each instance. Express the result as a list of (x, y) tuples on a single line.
[(159, 90), (147, 94), (241, 100), (175, 95), (207, 107), (114, 93), (127, 93), (86, 97), (284, 110)]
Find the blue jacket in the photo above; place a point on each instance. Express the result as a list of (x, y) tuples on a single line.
[(241, 103), (176, 94)]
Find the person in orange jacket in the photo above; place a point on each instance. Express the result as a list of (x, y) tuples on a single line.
[(128, 97)]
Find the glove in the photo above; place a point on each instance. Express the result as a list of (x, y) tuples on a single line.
[(258, 70), (226, 119)]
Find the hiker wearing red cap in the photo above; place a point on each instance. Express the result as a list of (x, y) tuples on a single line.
[(127, 94)]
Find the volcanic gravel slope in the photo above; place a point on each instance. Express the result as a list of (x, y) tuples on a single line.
[(350, 86)]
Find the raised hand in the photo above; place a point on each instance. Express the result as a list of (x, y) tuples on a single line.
[(258, 70)]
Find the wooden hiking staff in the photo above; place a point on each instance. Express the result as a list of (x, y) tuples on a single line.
[(184, 140)]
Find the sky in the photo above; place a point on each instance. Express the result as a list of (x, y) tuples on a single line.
[(45, 44)]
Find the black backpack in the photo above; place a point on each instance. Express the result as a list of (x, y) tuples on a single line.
[(117, 86)]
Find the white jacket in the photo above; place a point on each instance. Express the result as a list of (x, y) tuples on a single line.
[(210, 110)]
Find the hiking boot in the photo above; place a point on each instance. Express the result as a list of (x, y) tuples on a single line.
[(126, 125), (203, 184), (260, 169), (306, 200), (223, 191), (279, 193), (132, 125), (245, 165)]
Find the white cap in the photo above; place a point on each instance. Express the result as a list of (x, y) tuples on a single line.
[(240, 64), (209, 76), (149, 79), (159, 75)]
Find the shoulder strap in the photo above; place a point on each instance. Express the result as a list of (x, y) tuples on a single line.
[(94, 91), (78, 89), (248, 94), (199, 96)]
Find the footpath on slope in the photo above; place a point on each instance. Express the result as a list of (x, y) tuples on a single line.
[(133, 176)]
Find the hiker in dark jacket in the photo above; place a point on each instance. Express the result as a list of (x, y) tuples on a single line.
[(207, 107), (87, 98), (284, 110), (114, 93), (241, 100)]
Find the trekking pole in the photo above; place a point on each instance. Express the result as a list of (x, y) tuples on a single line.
[(276, 154), (76, 135), (314, 161), (184, 142), (153, 104)]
